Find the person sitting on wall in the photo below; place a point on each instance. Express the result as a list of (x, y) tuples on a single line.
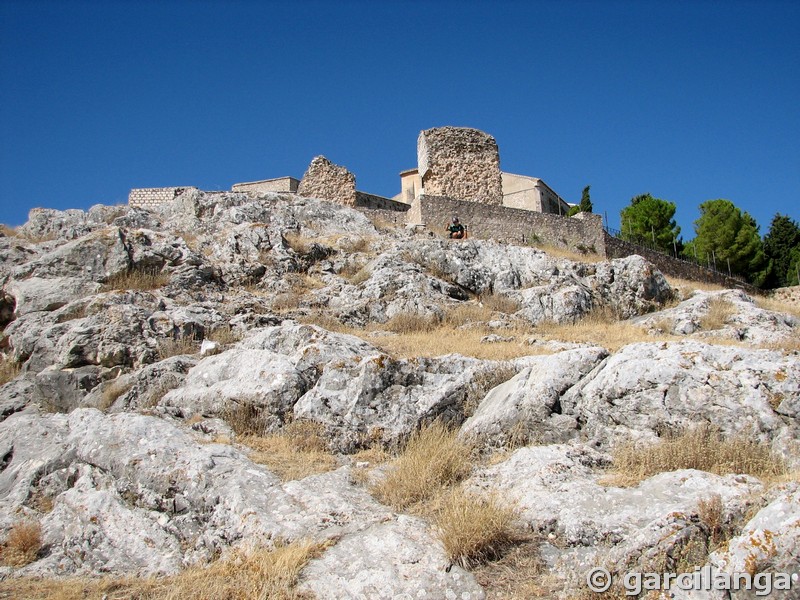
[(456, 230)]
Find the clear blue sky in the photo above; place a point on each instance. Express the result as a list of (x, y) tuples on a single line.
[(687, 100)]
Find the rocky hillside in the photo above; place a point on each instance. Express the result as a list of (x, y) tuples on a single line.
[(209, 387)]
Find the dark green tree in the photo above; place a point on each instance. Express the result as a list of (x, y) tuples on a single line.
[(650, 220), (725, 235), (780, 243), (586, 201)]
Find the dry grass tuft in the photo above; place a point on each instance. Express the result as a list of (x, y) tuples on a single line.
[(484, 382), (600, 327), (433, 458), (473, 530), (177, 347), (300, 244), (719, 311), (411, 323), (588, 256), (112, 391), (467, 342), (687, 287), (22, 544), (712, 512), (702, 448), (468, 313), (777, 305), (137, 279), (8, 370), (352, 245), (499, 303), (517, 574), (8, 231), (297, 451), (224, 335), (243, 575)]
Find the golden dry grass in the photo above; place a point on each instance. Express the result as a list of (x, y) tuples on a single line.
[(137, 279), (8, 231), (22, 544), (8, 370), (177, 347), (473, 530), (687, 287), (519, 574), (433, 459), (224, 335), (777, 305), (112, 391), (297, 451), (719, 311), (244, 575), (557, 252), (600, 327), (499, 303), (701, 448)]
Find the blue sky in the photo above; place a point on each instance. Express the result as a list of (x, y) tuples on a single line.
[(689, 101)]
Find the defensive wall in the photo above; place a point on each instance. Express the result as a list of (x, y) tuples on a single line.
[(675, 267), (152, 197), (279, 185), (583, 232)]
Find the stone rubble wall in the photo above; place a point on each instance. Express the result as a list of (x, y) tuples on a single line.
[(458, 162), (511, 224), (327, 181), (152, 197), (675, 267)]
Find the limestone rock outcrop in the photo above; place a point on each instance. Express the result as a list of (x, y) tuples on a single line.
[(128, 445)]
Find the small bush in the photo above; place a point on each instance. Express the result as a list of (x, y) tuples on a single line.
[(433, 458), (712, 512), (22, 544), (719, 311), (702, 448), (137, 279), (286, 301), (473, 530)]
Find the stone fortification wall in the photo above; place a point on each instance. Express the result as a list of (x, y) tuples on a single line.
[(458, 162), (675, 267), (380, 209), (152, 197), (279, 185), (328, 181), (510, 224)]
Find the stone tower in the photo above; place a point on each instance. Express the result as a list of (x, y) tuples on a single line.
[(460, 163), (327, 181)]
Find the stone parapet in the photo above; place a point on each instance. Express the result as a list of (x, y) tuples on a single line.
[(152, 197), (278, 185), (511, 224)]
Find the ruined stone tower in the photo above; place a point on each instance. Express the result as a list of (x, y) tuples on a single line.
[(461, 163)]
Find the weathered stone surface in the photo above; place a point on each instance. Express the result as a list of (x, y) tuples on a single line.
[(327, 181), (647, 388), (527, 408), (397, 559), (743, 319), (460, 163)]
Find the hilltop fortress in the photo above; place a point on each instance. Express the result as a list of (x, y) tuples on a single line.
[(458, 173)]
